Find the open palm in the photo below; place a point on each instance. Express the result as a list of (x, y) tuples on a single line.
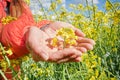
[(37, 41)]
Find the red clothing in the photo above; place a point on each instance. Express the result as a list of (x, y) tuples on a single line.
[(13, 34)]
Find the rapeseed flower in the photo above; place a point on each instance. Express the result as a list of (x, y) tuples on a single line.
[(67, 35), (53, 6), (8, 19), (3, 65), (92, 78), (27, 1), (9, 52), (108, 6)]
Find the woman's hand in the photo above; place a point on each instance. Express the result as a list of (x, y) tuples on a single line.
[(37, 43), (37, 40), (83, 44)]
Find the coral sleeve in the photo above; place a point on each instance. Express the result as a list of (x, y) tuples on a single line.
[(13, 33), (2, 14)]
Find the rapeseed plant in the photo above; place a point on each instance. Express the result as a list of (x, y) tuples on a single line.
[(67, 35), (102, 63)]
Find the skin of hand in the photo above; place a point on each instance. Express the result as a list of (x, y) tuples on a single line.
[(37, 42)]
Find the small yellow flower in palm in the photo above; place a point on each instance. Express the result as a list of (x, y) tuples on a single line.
[(67, 35)]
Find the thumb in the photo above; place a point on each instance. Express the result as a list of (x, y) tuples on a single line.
[(40, 54), (37, 57), (79, 33)]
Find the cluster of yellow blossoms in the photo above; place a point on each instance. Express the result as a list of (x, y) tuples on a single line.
[(93, 65), (8, 19), (67, 35), (27, 1)]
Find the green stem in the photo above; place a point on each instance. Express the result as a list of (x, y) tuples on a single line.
[(112, 5), (3, 75), (88, 9), (68, 73), (7, 59), (64, 44), (43, 9), (93, 13), (55, 11), (109, 72), (81, 71), (63, 72)]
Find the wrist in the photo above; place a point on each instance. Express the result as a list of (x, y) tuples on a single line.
[(27, 39), (43, 23)]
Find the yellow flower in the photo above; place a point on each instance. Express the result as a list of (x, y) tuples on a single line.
[(40, 71), (80, 7), (113, 79), (91, 33), (15, 62), (25, 58), (27, 1), (54, 41), (108, 5), (48, 72), (67, 35), (72, 6), (59, 1), (94, 64), (53, 6), (9, 52), (116, 20), (70, 42), (92, 78), (96, 73), (3, 65), (8, 19)]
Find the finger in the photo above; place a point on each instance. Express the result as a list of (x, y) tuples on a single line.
[(50, 32), (67, 59), (77, 59), (86, 45), (82, 49), (79, 33), (43, 55), (85, 40), (37, 52), (61, 54), (36, 45), (63, 60)]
